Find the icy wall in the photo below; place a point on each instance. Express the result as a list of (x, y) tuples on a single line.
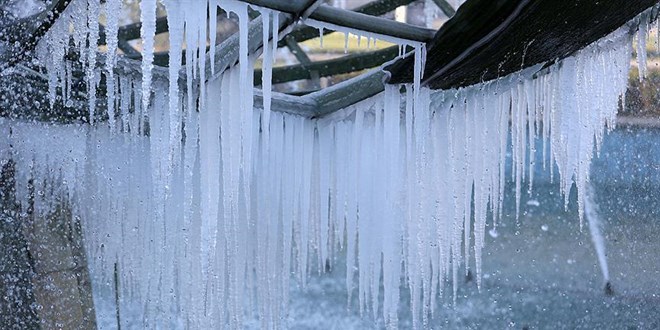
[(209, 204)]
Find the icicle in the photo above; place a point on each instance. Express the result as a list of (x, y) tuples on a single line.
[(251, 204), (111, 92), (321, 37), (124, 106), (209, 150), (190, 32), (126, 92), (175, 23), (420, 63), (138, 110), (276, 31), (79, 21), (90, 72), (391, 227), (213, 31), (657, 34), (346, 42), (642, 32), (147, 33), (68, 83), (594, 221), (201, 51), (267, 68), (322, 26), (324, 152), (112, 10)]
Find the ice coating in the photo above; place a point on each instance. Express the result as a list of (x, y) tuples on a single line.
[(224, 213)]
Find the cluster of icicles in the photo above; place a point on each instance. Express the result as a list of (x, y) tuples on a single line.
[(205, 209)]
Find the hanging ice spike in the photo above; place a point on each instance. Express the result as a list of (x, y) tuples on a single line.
[(208, 226)]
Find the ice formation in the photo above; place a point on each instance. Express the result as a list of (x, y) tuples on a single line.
[(595, 229), (51, 51), (206, 208)]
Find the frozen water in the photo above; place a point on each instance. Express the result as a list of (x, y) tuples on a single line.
[(112, 9), (24, 8), (595, 224), (642, 36), (147, 33), (207, 228)]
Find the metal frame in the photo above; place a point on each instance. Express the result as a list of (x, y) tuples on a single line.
[(315, 104)]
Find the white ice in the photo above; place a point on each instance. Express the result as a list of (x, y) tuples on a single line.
[(210, 208)]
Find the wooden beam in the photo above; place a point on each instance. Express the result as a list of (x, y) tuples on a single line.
[(347, 93), (28, 82), (294, 7), (446, 8), (488, 39), (359, 21), (306, 107), (376, 8), (128, 50), (304, 60), (346, 64), (162, 59), (122, 44), (298, 52), (132, 31), (226, 54), (381, 7), (373, 24)]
